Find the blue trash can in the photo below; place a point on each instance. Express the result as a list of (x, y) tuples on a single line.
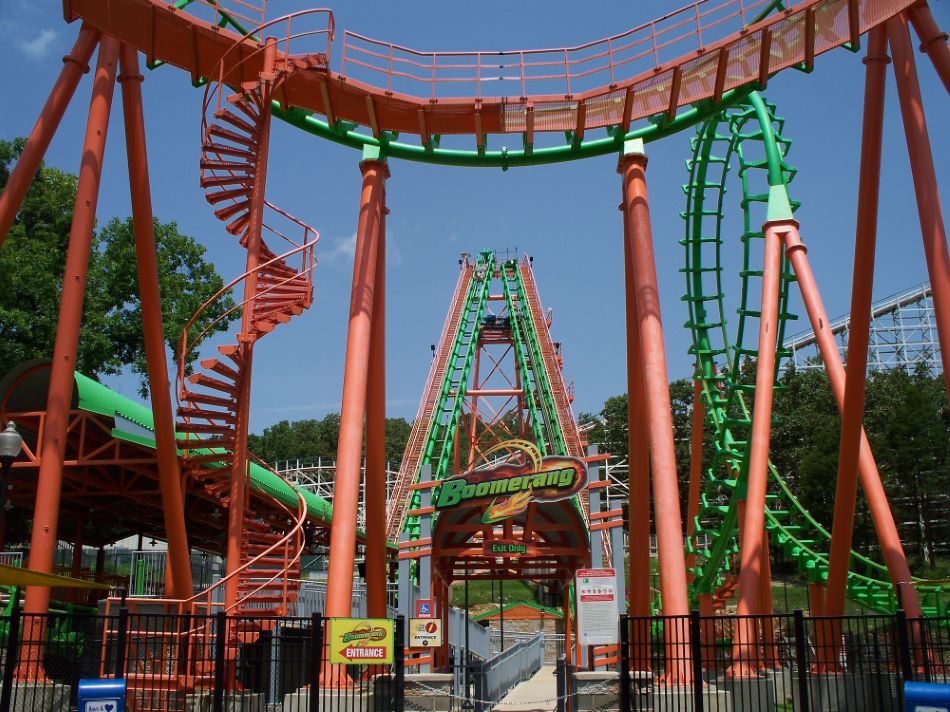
[(101, 695), (926, 697)]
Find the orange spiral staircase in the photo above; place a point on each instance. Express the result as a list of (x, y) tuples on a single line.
[(262, 584), (276, 288)]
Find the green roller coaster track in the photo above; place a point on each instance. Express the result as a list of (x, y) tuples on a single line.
[(538, 396), (749, 137)]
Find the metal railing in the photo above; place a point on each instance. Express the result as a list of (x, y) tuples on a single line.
[(147, 574), (11, 558), (495, 677), (312, 597), (797, 663), (563, 71), (553, 642), (203, 662), (671, 663)]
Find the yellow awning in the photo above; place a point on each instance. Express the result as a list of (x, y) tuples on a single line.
[(15, 576)]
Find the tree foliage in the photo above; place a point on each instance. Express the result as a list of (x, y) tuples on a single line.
[(608, 430), (32, 262), (907, 421), (307, 440)]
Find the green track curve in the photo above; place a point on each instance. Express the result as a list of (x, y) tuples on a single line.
[(748, 138)]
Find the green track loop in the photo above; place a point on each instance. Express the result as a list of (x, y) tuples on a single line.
[(748, 137)]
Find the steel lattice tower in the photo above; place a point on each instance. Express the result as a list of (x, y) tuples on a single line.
[(903, 335)]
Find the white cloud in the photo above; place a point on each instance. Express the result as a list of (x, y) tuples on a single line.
[(343, 247), (39, 45)]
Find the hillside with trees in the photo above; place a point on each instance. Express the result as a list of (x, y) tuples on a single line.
[(907, 420)]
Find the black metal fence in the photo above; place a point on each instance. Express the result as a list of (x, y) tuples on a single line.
[(178, 663), (212, 663), (796, 663)]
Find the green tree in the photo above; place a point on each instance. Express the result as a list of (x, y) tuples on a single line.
[(908, 424), (32, 262), (306, 440)]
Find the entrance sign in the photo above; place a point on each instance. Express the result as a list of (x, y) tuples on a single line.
[(424, 608), (508, 489), (361, 641), (597, 613), (425, 633)]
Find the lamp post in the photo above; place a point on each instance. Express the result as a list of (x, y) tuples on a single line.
[(10, 445)]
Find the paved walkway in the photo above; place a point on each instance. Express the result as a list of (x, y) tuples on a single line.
[(538, 692)]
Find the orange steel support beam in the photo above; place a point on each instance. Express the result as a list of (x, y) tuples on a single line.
[(695, 467), (770, 656), (355, 375), (925, 182), (376, 439), (932, 40), (238, 492), (753, 543), (62, 370), (669, 522), (169, 478), (638, 466), (852, 415), (75, 64), (884, 526)]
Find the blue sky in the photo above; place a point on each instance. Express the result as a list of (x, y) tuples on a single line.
[(564, 215)]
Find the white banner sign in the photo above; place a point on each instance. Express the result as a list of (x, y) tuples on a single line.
[(597, 614)]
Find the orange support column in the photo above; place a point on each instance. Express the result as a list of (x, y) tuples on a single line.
[(852, 414), (932, 40), (638, 470), (376, 439), (346, 489), (62, 370), (707, 631), (75, 64), (746, 657), (925, 183), (669, 522), (884, 526), (173, 506), (638, 451)]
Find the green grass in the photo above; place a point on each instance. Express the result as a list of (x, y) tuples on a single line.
[(789, 593), (480, 593)]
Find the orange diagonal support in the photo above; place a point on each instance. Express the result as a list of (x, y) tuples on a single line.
[(62, 371), (169, 479), (75, 64), (746, 657)]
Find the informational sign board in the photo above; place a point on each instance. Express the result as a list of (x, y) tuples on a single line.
[(424, 608), (361, 641), (597, 613), (425, 633)]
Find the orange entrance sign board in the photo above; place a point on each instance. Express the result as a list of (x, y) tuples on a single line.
[(361, 641)]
